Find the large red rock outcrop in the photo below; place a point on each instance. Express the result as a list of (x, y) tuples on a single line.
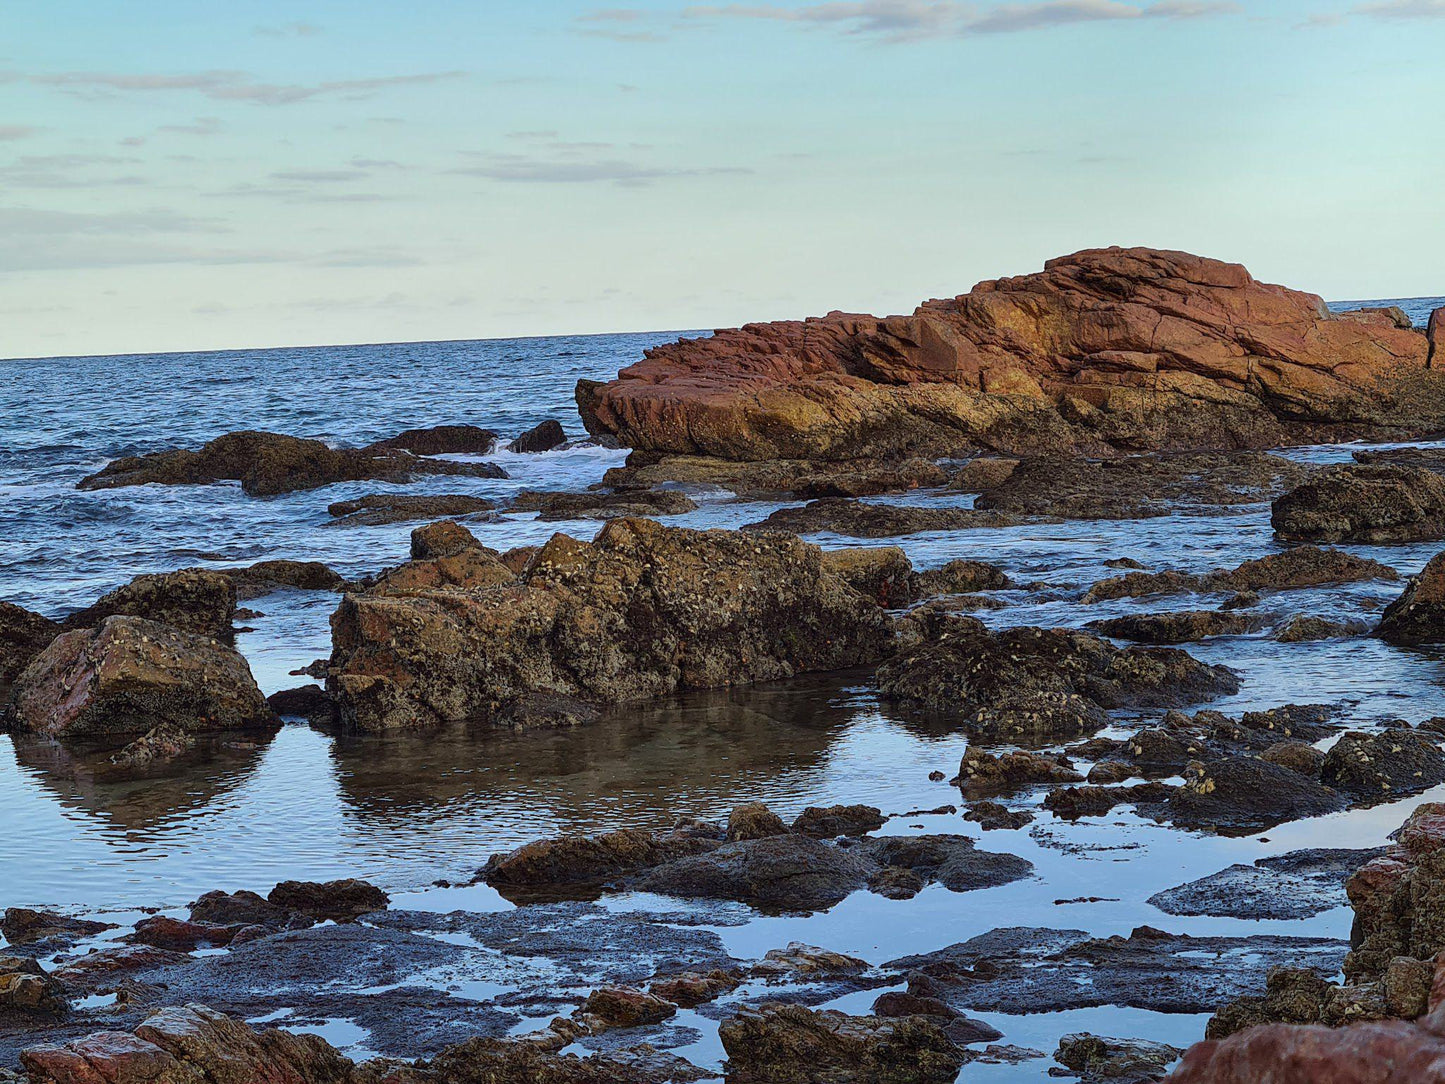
[(1103, 350)]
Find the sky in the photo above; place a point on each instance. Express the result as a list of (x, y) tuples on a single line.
[(183, 176)]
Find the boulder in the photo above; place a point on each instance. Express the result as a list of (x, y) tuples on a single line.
[(830, 822), (195, 600), (1179, 627), (339, 901), (623, 1007), (1435, 332), (1303, 628), (960, 577), (264, 577), (1106, 349), (130, 675), (542, 437), (595, 504), (693, 988), (1242, 794), (446, 538), (26, 926), (1041, 684), (641, 611), (1418, 615), (443, 440), (158, 745), (1099, 1060), (1300, 884), (243, 908), (992, 816), (1373, 768), (23, 635), (378, 509), (178, 935), (1357, 503), (470, 568), (983, 774), (27, 989), (881, 573), (1381, 1052), (267, 464), (790, 1044), (754, 821)]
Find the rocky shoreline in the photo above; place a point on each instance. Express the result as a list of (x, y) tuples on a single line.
[(611, 956)]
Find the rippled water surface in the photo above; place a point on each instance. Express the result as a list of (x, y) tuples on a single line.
[(407, 810)]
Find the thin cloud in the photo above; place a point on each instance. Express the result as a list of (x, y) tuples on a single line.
[(227, 85), (529, 169), (203, 126), (319, 176), (10, 132), (290, 30), (1404, 9), (913, 20)]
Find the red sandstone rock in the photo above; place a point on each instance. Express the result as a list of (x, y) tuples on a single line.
[(1105, 349), (1386, 1052)]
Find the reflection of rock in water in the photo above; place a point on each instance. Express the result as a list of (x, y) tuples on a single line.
[(697, 751), (138, 798)]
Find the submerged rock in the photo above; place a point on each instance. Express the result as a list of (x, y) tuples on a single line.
[(1358, 503), (598, 505), (1098, 1060), (542, 437), (377, 509), (1307, 627), (1418, 615), (859, 519), (960, 577), (1300, 884), (790, 1044), (1036, 684), (267, 464), (981, 773), (641, 611), (1104, 349), (196, 600), (131, 675), (1303, 566), (27, 926)]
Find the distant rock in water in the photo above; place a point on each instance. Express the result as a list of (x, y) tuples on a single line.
[(1302, 566), (641, 611), (1105, 350), (541, 438), (443, 440), (270, 463), (1360, 503), (377, 509), (594, 504), (129, 676)]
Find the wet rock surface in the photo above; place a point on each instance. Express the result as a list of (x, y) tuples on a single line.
[(641, 611), (263, 577), (778, 478), (1361, 503), (1295, 885), (860, 519), (23, 635), (1180, 627), (267, 464), (130, 675), (1032, 684), (542, 437), (1100, 1060), (443, 440), (1138, 487), (1023, 970)]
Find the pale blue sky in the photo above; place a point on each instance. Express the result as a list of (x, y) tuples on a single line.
[(178, 176)]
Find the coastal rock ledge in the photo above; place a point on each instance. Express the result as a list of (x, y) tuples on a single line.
[(1106, 350)]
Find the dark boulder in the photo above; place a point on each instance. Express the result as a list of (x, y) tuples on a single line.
[(596, 504), (860, 519), (378, 509), (960, 577), (1418, 615), (830, 822), (1180, 627), (196, 600), (27, 989), (1242, 794), (26, 926), (443, 440), (881, 573), (23, 635), (264, 577), (1358, 503), (340, 901), (1373, 768), (1303, 566), (542, 437)]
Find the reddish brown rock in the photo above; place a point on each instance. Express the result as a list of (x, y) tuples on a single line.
[(194, 600), (26, 988), (882, 573), (1105, 349), (130, 675), (340, 901), (623, 1007), (542, 437), (25, 926), (1386, 1052), (1435, 330), (162, 931), (378, 509)]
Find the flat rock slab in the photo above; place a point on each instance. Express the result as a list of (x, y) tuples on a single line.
[(1029, 970), (1295, 885)]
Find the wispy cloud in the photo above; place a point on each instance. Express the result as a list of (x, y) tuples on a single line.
[(1404, 9), (203, 126), (289, 30), (522, 168), (319, 176), (233, 86), (10, 132), (68, 171), (909, 20)]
